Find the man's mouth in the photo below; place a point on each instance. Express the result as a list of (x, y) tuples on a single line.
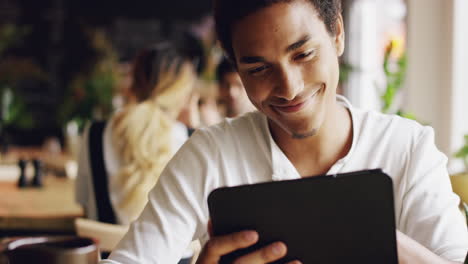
[(297, 106)]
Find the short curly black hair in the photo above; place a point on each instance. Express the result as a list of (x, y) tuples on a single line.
[(227, 12)]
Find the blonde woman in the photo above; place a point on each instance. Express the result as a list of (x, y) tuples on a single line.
[(122, 159)]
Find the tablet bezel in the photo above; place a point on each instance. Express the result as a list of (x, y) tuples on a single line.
[(246, 207)]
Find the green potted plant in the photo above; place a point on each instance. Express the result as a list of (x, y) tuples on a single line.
[(90, 94), (460, 180), (14, 113), (394, 66)]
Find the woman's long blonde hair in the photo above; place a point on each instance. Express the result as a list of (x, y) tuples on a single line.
[(162, 80)]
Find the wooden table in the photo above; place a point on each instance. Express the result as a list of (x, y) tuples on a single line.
[(49, 208), (60, 163)]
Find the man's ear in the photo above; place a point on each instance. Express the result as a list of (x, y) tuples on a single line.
[(339, 38)]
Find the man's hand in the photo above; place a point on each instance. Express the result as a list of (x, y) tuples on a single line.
[(222, 245), (411, 252)]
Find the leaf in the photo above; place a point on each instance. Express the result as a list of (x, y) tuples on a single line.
[(14, 110), (395, 72), (345, 70), (406, 114), (462, 153), (90, 94)]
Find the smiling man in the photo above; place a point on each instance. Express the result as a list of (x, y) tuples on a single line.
[(286, 53)]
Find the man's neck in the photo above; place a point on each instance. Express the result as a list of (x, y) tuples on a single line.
[(316, 154)]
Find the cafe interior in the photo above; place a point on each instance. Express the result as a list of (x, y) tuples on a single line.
[(66, 64)]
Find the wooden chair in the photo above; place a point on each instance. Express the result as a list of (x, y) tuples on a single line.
[(109, 235), (460, 187)]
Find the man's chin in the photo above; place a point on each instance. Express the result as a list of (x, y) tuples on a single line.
[(295, 130), (303, 135)]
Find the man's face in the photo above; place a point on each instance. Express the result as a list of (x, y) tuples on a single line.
[(232, 94), (288, 63)]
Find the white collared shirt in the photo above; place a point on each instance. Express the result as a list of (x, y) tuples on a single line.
[(242, 151)]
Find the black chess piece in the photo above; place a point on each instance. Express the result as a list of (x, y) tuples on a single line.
[(38, 168), (22, 178)]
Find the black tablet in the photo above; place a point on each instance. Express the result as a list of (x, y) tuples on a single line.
[(343, 218)]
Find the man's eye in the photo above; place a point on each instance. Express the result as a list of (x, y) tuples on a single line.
[(201, 102), (304, 55), (257, 70)]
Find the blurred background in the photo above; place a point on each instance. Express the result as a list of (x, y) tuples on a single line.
[(69, 61), (66, 62)]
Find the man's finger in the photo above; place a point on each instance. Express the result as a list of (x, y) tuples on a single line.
[(264, 255), (294, 262), (210, 228), (222, 245)]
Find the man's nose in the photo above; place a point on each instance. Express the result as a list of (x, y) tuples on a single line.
[(289, 83), (232, 92)]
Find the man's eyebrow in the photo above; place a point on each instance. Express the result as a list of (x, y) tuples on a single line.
[(298, 44), (251, 59)]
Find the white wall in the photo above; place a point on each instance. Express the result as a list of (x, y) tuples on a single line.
[(437, 82), (459, 106), (361, 50)]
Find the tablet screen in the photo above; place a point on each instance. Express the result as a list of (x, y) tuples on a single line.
[(344, 218)]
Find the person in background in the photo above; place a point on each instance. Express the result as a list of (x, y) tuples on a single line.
[(140, 139), (191, 47), (202, 109), (232, 97), (208, 102)]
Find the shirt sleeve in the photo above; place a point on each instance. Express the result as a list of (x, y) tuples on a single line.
[(430, 213), (179, 135), (177, 211)]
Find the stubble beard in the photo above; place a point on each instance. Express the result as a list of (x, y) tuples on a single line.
[(311, 133)]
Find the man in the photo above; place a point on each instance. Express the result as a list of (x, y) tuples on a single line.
[(232, 97), (286, 53)]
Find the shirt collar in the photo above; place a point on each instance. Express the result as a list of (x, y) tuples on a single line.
[(282, 167)]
